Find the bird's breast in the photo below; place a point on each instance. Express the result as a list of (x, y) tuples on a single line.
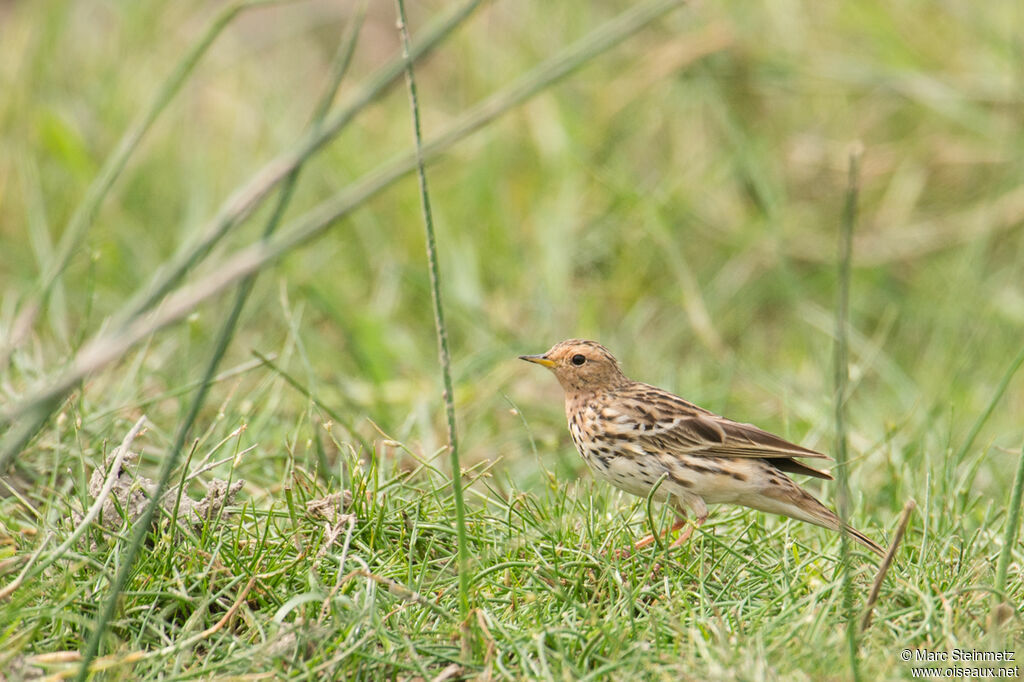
[(620, 461)]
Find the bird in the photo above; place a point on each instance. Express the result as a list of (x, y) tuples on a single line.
[(637, 436)]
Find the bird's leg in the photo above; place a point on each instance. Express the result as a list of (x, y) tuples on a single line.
[(685, 535), (643, 542)]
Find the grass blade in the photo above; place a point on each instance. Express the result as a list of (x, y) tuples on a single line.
[(439, 324), (842, 376), (1012, 526), (876, 587), (983, 417)]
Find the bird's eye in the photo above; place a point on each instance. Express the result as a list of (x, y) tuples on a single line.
[(578, 359)]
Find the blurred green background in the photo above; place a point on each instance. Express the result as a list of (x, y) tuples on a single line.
[(678, 199)]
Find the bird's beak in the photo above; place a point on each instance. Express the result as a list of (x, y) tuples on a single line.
[(538, 359)]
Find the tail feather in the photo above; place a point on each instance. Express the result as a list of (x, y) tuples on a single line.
[(797, 503), (864, 540)]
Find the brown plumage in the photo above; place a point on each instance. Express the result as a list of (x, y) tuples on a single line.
[(631, 434)]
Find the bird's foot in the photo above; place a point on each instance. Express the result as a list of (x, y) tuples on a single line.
[(649, 539), (687, 532)]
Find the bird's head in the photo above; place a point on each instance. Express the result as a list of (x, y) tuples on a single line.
[(581, 366)]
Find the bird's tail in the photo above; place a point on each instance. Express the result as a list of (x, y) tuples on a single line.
[(799, 504), (863, 539)]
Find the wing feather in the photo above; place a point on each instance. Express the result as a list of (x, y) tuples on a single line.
[(659, 421)]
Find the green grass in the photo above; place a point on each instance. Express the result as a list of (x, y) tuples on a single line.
[(679, 198)]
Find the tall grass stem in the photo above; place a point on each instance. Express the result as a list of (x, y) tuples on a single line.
[(842, 377), (876, 587), (439, 323), (1012, 527)]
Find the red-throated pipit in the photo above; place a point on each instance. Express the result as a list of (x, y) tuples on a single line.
[(634, 435)]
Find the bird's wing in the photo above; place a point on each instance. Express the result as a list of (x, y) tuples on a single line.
[(657, 421)]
